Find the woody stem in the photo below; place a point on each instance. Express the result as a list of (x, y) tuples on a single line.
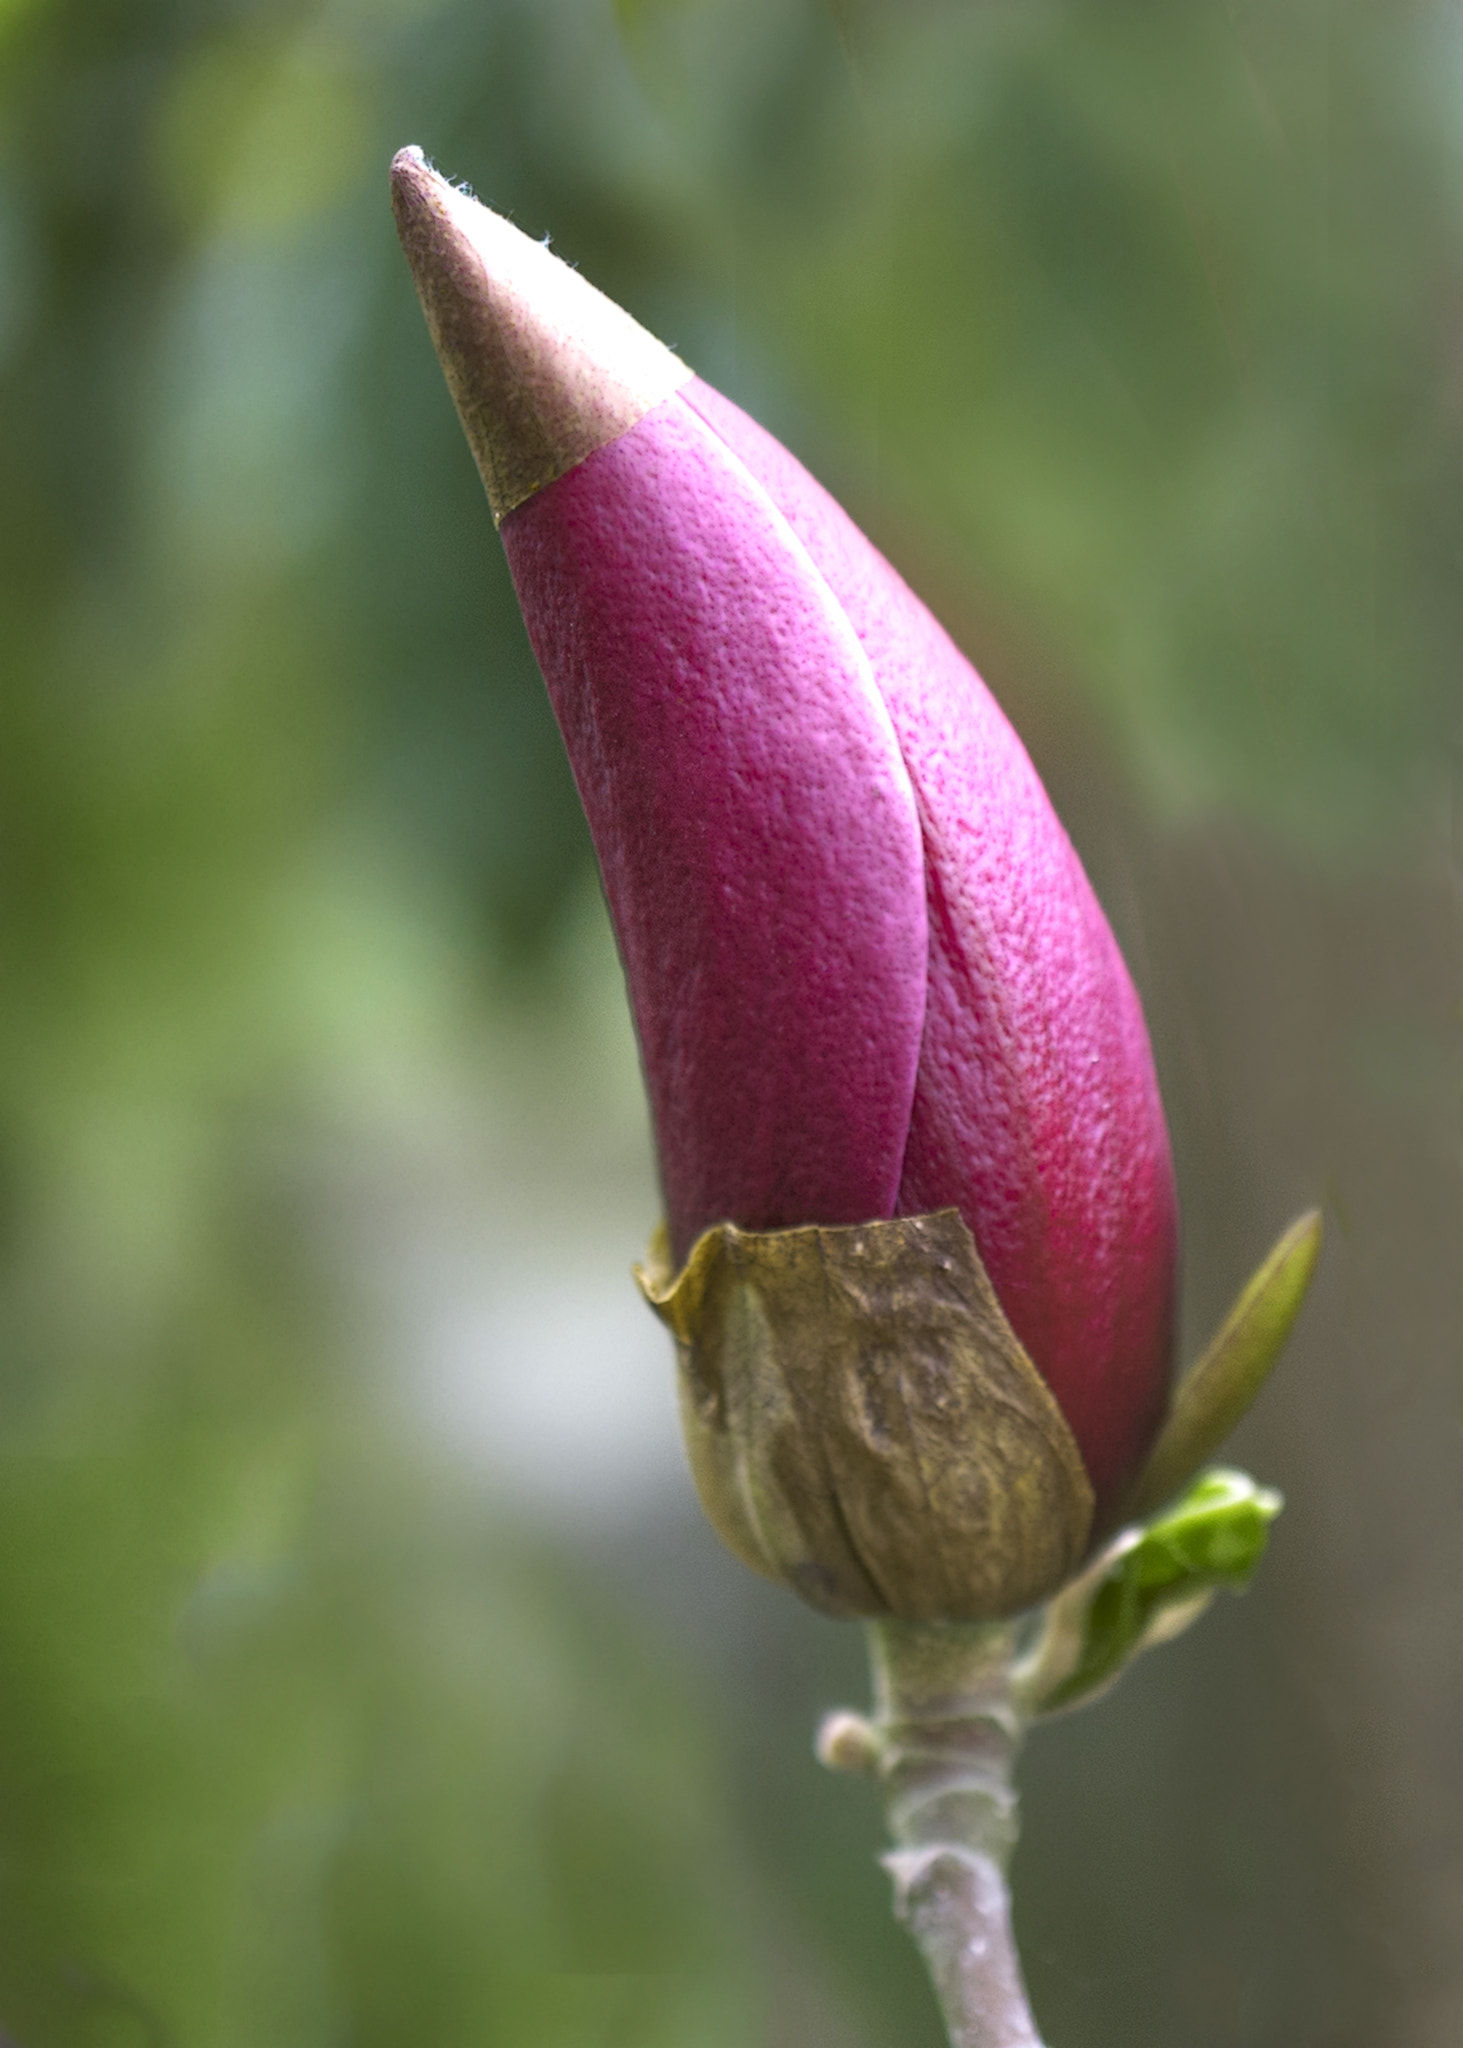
[(944, 1739)]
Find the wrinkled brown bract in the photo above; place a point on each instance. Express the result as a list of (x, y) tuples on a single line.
[(863, 1424)]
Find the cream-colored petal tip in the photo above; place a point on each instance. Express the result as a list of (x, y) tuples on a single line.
[(543, 368)]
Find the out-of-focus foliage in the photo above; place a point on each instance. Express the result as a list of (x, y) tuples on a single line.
[(1138, 323)]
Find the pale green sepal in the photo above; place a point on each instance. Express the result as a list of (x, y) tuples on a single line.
[(1146, 1587), (1214, 1395)]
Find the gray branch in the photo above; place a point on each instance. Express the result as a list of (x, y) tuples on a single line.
[(942, 1743), (955, 1903)]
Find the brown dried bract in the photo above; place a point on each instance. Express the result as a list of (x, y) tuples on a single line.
[(863, 1423), (543, 368)]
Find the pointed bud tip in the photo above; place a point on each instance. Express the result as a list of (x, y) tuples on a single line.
[(412, 180), (543, 368)]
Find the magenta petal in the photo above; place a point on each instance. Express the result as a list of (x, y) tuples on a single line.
[(1036, 1110), (754, 821)]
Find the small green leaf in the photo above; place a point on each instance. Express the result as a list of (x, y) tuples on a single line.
[(1214, 1536), (1211, 1399)]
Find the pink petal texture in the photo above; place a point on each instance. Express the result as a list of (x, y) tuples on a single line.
[(754, 819), (1036, 1110), (868, 973)]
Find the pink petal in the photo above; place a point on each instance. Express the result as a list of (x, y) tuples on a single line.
[(754, 820), (1036, 1109)]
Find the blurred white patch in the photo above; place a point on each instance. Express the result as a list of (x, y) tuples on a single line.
[(489, 1229), (560, 1384)]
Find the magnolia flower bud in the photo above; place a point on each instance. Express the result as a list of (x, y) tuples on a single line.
[(869, 977)]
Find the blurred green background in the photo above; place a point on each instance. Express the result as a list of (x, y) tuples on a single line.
[(366, 1673)]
